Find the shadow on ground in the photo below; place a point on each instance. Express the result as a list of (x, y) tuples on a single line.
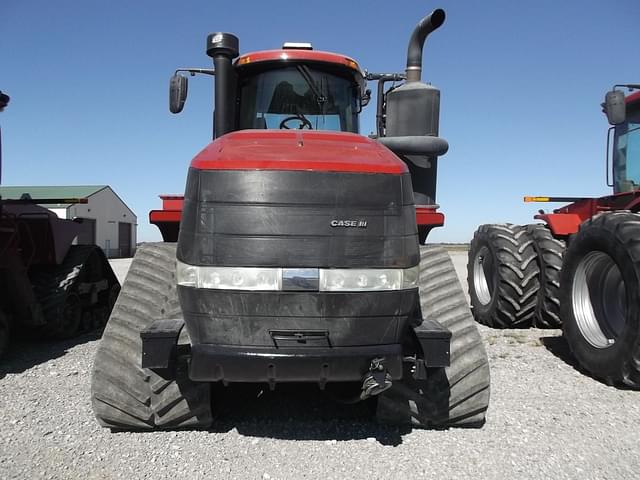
[(25, 353), (558, 346), (298, 412)]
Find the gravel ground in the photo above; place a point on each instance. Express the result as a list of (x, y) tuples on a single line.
[(546, 420)]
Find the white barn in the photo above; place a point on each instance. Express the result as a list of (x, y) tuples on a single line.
[(108, 222)]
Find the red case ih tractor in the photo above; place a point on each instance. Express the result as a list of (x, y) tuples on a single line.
[(580, 269), (298, 255), (49, 287)]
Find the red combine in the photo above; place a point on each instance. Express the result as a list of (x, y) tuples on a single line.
[(298, 254), (49, 287), (580, 269)]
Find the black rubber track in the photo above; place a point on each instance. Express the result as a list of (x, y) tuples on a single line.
[(53, 286), (123, 395), (459, 394), (512, 280), (616, 234), (549, 251)]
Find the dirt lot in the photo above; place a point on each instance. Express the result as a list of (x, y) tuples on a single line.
[(546, 420)]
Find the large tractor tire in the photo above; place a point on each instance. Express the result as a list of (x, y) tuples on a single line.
[(124, 395), (600, 297), (503, 276), (456, 396), (549, 251)]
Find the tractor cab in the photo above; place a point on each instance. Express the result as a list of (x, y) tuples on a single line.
[(298, 88), (293, 88), (626, 148)]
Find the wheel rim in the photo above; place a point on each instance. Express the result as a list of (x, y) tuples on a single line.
[(483, 270), (599, 299)]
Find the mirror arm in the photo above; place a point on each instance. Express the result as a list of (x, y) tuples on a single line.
[(193, 71), (382, 78), (630, 86)]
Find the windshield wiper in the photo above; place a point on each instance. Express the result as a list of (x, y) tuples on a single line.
[(306, 74)]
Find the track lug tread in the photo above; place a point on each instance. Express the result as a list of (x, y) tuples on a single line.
[(124, 396), (459, 394)]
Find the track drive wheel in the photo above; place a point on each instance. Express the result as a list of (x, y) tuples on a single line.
[(503, 276), (5, 333), (549, 251), (124, 395), (600, 297), (459, 394)]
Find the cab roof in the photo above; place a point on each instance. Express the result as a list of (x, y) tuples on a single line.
[(292, 54)]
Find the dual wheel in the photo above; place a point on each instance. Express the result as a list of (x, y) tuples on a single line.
[(514, 276), (523, 276)]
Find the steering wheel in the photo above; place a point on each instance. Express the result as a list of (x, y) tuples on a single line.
[(304, 122)]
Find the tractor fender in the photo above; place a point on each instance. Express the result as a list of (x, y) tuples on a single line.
[(561, 224)]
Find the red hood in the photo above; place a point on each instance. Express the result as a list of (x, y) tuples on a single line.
[(298, 150)]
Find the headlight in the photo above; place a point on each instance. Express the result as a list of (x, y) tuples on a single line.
[(229, 278), (362, 280), (271, 279)]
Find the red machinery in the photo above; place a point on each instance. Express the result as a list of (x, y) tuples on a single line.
[(298, 253), (49, 286), (168, 218), (423, 169), (581, 268)]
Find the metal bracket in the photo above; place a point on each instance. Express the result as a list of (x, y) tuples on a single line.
[(377, 380), (435, 341), (159, 343)]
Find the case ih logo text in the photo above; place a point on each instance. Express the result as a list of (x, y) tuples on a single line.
[(349, 223)]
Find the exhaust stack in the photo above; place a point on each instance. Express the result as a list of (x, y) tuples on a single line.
[(223, 48), (416, 43), (413, 109), (413, 116)]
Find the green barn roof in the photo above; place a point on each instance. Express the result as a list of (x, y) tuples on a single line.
[(51, 192), (73, 191)]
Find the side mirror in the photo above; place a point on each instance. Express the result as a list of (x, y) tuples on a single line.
[(177, 93), (615, 107), (366, 98)]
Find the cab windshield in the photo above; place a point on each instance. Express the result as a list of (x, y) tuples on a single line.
[(299, 97), (626, 154)]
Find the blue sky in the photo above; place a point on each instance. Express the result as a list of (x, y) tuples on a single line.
[(521, 86)]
